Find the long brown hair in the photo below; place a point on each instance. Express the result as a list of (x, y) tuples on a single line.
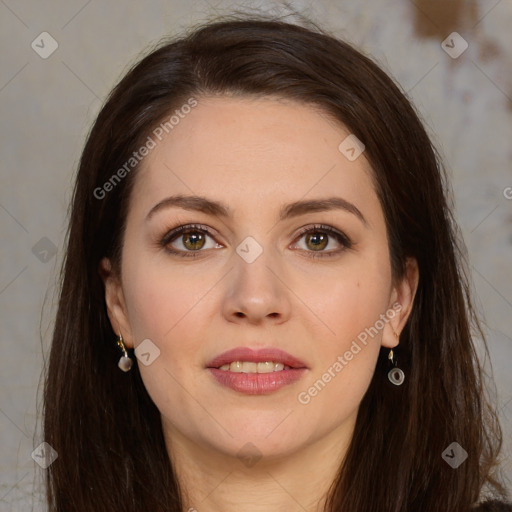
[(102, 422)]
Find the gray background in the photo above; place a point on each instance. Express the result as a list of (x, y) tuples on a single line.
[(47, 106)]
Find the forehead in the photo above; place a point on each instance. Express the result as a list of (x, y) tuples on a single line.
[(248, 150)]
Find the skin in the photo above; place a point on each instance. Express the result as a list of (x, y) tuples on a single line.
[(255, 155)]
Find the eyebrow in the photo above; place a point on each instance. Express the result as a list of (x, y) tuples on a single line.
[(288, 211)]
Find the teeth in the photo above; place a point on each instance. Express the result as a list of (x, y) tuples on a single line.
[(266, 367), (250, 367), (236, 366)]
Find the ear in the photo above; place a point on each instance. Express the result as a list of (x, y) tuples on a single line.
[(114, 298), (401, 302)]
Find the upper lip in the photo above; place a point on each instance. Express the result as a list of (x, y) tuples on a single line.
[(256, 355)]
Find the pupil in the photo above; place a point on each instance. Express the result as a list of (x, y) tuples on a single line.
[(320, 240), (194, 239)]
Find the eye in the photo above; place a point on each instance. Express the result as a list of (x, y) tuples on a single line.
[(188, 241), (319, 237)]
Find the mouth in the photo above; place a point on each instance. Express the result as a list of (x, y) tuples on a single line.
[(265, 360), (251, 367), (256, 372)]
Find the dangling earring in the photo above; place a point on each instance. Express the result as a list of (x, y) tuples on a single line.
[(125, 362), (396, 375)]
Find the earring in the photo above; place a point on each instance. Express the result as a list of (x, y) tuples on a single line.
[(396, 375), (125, 362)]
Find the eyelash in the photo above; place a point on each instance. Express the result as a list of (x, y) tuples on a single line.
[(190, 228)]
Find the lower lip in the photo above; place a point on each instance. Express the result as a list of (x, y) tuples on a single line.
[(257, 383)]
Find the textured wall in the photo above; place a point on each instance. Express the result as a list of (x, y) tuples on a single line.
[(48, 104)]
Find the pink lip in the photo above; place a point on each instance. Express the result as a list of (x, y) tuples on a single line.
[(256, 356), (256, 383)]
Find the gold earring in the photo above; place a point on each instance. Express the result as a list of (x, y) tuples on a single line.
[(125, 363), (396, 375)]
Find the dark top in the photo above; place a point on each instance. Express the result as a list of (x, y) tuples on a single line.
[(493, 506)]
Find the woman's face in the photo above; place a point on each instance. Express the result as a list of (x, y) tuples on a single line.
[(293, 257)]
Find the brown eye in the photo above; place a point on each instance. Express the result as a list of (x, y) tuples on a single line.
[(317, 240), (193, 240), (189, 241)]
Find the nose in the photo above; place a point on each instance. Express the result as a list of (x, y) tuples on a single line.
[(256, 292)]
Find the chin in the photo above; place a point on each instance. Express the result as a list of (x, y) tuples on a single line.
[(251, 450)]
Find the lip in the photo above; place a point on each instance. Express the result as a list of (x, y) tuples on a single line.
[(255, 356), (257, 383)]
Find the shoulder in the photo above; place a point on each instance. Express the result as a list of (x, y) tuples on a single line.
[(493, 506)]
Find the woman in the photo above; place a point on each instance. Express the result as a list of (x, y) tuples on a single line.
[(264, 303)]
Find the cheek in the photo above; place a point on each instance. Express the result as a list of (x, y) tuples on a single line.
[(344, 363), (348, 299), (164, 310), (172, 309), (336, 391), (351, 308), (160, 299)]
